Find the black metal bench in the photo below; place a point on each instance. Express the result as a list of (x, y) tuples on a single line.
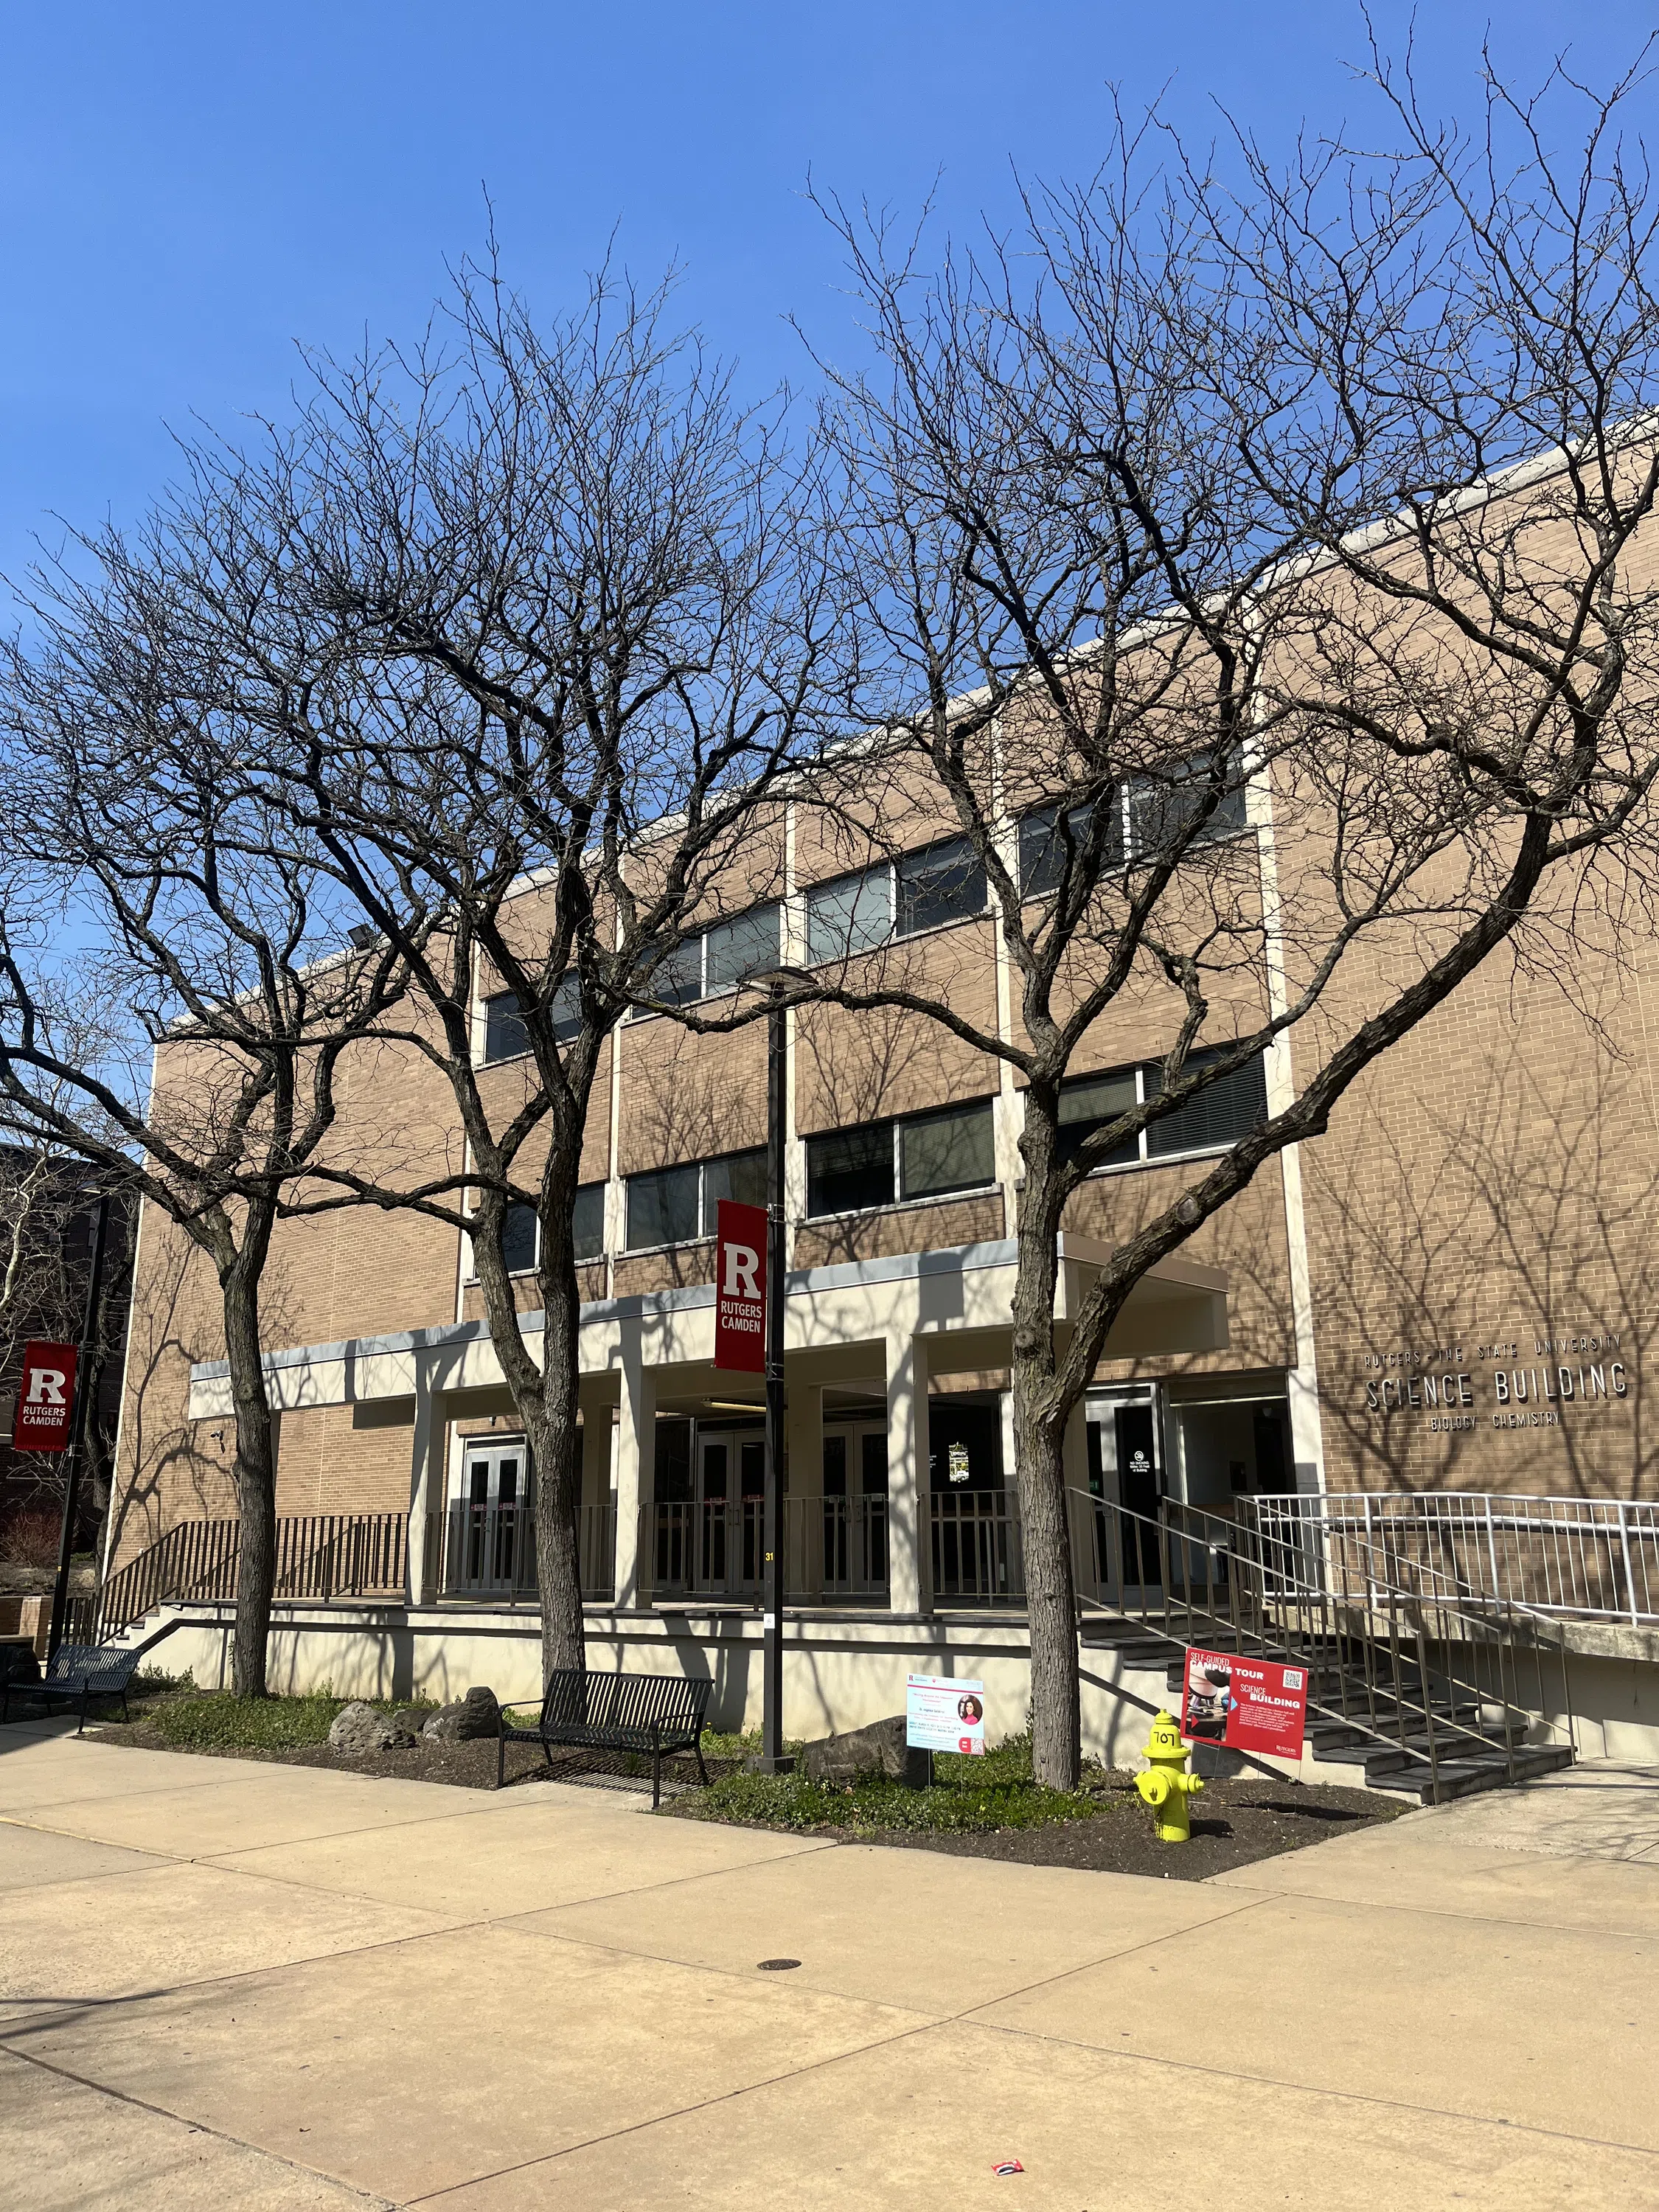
[(78, 1673), (641, 1713)]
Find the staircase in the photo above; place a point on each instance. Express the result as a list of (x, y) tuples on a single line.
[(1412, 1688)]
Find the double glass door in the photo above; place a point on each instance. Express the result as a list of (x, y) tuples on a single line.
[(489, 1541), (728, 1503)]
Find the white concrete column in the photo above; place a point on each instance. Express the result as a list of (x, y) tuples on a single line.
[(597, 1432), (909, 1544), (636, 1466), (803, 1444), (426, 1489)]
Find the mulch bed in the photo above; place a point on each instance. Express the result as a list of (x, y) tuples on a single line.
[(1235, 1822), (463, 1765), (1240, 1822)]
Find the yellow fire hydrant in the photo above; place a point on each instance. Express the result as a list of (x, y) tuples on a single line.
[(1166, 1786)]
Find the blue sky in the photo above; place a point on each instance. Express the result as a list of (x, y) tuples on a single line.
[(187, 191)]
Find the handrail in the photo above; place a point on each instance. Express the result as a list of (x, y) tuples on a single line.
[(1260, 1590), (1575, 1558)]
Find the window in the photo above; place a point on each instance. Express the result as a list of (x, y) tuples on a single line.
[(505, 1035), (1086, 1106), (518, 1238), (1042, 849), (951, 1150), (1229, 1109), (848, 1170), (851, 1170), (1162, 811), (587, 1221), (724, 954), (741, 1176), (735, 950), (945, 883), (662, 1207), (852, 914), (674, 1205)]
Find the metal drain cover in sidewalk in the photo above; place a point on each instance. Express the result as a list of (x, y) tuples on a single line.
[(777, 1966)]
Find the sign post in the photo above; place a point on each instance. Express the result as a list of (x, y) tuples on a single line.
[(1243, 1704), (83, 1372)]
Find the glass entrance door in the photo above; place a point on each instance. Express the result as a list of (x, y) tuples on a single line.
[(1126, 1469), (730, 1493), (489, 1549)]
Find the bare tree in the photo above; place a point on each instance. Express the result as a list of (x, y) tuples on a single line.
[(173, 999), (1262, 586), (532, 623)]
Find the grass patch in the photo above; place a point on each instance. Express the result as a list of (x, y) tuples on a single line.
[(996, 1792), (221, 1722)]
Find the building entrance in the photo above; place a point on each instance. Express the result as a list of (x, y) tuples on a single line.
[(491, 1550), (1126, 1467)]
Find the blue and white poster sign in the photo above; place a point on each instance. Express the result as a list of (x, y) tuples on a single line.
[(943, 1714)]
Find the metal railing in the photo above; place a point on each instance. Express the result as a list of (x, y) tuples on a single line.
[(194, 1558), (489, 1553), (978, 1557), (835, 1548), (1577, 1557), (1394, 1650)]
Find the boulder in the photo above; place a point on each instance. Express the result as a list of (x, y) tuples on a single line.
[(477, 1714), (878, 1749), (406, 1726), (358, 1728)]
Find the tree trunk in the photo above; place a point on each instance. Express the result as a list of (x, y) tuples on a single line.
[(556, 1442), (255, 1478), (1039, 1431)]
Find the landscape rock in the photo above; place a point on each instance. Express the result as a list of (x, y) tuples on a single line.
[(358, 1728), (880, 1748), (406, 1726), (477, 1714)]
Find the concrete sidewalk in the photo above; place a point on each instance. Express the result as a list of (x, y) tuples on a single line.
[(236, 1984)]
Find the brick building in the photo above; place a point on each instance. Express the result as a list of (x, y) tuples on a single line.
[(1453, 1290)]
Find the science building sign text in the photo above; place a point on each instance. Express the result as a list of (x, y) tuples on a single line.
[(1516, 1385)]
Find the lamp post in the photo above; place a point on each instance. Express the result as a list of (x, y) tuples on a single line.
[(772, 1758), (85, 1382)]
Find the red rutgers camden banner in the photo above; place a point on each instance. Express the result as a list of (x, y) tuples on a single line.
[(46, 1398), (740, 1289)]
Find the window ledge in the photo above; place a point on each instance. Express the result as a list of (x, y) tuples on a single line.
[(897, 1205)]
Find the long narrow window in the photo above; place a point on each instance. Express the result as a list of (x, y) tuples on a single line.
[(923, 1156), (506, 1037), (1149, 815), (718, 958), (945, 883), (1228, 1109), (675, 1205), (851, 915)]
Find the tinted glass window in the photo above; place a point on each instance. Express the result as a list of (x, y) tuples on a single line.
[(851, 915), (741, 1176), (566, 1006), (1163, 809), (678, 974), (504, 1030), (747, 947), (850, 1168), (662, 1209), (519, 1239), (1042, 850), (1229, 1109), (944, 883), (1084, 1106), (947, 1151), (587, 1221)]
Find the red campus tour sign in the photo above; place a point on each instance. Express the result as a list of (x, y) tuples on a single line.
[(740, 1288), (46, 1398), (1244, 1704)]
